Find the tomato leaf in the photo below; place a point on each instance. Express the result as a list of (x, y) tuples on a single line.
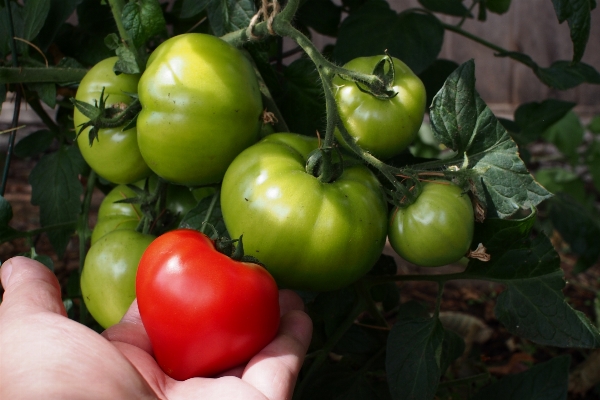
[(143, 19), (34, 143), (533, 305), (545, 381), (59, 11), (413, 37), (450, 7), (196, 216), (534, 118), (322, 15), (6, 215), (577, 13), (229, 15), (190, 8), (413, 357), (57, 190), (497, 6), (464, 123), (34, 15), (567, 135), (578, 227)]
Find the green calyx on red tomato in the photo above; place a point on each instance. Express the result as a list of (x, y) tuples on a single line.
[(310, 235), (437, 229), (204, 312), (108, 277), (201, 106), (382, 126), (114, 155)]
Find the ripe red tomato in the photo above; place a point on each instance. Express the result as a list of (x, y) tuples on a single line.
[(204, 312)]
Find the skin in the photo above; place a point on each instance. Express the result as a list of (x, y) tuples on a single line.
[(43, 354)]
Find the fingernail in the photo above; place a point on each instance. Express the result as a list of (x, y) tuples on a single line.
[(6, 272)]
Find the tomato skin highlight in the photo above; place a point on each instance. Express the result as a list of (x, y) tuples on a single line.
[(115, 156), (201, 106), (108, 276), (310, 235), (382, 127), (437, 229), (204, 312)]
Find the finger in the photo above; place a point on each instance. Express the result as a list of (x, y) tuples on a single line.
[(130, 330), (275, 369), (288, 301), (30, 287)]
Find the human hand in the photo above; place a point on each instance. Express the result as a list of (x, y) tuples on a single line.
[(43, 354)]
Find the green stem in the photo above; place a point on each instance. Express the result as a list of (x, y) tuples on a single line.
[(210, 210), (116, 7), (438, 299), (359, 307), (46, 119), (477, 39), (37, 75)]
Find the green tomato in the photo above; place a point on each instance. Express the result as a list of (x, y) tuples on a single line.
[(108, 277), (310, 235), (201, 106), (437, 229), (115, 156), (113, 223), (382, 127)]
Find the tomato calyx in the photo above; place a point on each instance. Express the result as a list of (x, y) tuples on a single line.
[(228, 247), (102, 117), (383, 87)]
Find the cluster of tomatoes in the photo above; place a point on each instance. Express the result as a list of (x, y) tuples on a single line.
[(199, 125)]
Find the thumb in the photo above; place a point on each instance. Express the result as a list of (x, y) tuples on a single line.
[(29, 287)]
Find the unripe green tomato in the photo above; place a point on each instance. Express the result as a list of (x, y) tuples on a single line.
[(113, 223), (108, 277), (437, 229), (115, 155), (310, 235), (201, 106), (386, 127)]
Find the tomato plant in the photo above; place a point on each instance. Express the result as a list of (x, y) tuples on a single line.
[(114, 155), (214, 312), (108, 277), (437, 229), (382, 126), (201, 106), (310, 235)]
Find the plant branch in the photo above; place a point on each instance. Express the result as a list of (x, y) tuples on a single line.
[(41, 75)]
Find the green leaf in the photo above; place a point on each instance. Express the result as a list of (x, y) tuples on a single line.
[(533, 305), (190, 8), (34, 16), (6, 215), (60, 11), (452, 348), (497, 6), (5, 34), (450, 7), (127, 62), (545, 381), (303, 102), (411, 36), (566, 135), (413, 358), (464, 123), (45, 91), (321, 15), (560, 180), (594, 125), (534, 118), (563, 75), (34, 143), (44, 259), (56, 189), (578, 227), (229, 15), (143, 19), (195, 217), (577, 13)]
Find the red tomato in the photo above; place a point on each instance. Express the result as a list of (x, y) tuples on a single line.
[(204, 312)]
